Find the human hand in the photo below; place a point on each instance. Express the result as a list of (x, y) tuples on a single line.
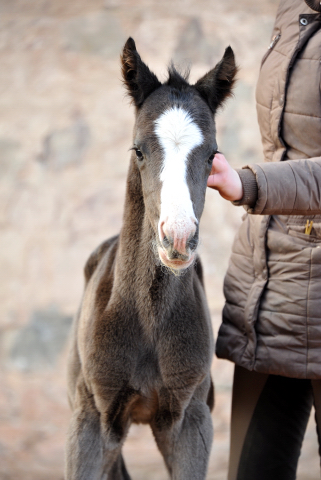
[(225, 179)]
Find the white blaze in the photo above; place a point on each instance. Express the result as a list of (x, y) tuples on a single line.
[(178, 135)]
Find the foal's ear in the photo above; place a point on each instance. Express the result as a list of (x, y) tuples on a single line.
[(217, 84), (138, 79)]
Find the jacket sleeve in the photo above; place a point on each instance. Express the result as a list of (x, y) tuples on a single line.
[(291, 187)]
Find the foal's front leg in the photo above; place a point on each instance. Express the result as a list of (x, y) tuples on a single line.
[(93, 452), (186, 444)]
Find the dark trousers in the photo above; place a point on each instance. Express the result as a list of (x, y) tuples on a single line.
[(269, 418)]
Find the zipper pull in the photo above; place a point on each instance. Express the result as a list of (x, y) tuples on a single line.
[(308, 227), (275, 40)]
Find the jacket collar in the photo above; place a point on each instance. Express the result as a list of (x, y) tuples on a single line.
[(314, 4)]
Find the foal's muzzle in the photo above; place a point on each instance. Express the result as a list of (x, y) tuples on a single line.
[(178, 258)]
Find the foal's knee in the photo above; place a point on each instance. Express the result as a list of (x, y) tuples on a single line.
[(198, 422)]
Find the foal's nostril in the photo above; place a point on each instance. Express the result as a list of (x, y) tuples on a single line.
[(166, 242), (193, 242)]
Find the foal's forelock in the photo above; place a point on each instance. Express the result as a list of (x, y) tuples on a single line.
[(178, 135)]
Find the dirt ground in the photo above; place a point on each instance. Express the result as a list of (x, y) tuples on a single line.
[(65, 131)]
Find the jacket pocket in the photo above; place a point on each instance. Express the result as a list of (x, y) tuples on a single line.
[(274, 41), (298, 232)]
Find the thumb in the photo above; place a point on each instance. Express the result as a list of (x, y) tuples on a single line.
[(218, 167), (212, 181)]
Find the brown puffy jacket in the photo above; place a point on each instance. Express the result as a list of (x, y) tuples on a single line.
[(272, 316)]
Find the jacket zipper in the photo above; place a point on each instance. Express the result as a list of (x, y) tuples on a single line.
[(275, 40)]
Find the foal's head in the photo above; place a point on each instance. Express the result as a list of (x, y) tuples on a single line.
[(173, 147)]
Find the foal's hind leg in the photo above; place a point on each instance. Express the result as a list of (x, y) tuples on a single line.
[(90, 454), (186, 445)]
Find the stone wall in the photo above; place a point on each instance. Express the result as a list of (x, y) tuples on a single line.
[(65, 131)]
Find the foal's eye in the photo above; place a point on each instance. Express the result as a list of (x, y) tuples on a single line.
[(139, 154), (210, 158)]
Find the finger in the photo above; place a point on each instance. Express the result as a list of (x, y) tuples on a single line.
[(212, 181), (218, 165), (220, 156)]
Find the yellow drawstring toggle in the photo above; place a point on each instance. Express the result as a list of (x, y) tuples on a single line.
[(308, 227)]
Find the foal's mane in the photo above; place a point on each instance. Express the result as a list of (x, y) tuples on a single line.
[(177, 79)]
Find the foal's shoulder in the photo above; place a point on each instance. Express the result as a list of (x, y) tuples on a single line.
[(97, 255)]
